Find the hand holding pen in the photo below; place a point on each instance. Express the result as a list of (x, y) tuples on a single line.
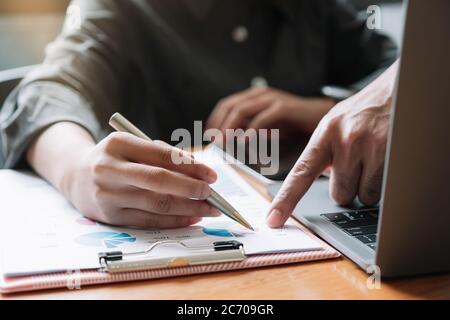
[(121, 124), (127, 181)]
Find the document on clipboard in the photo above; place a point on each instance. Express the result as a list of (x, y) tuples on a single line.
[(41, 233)]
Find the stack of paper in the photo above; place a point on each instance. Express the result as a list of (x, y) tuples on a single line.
[(41, 232)]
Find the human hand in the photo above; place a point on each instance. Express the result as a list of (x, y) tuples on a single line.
[(127, 181), (351, 139), (268, 108)]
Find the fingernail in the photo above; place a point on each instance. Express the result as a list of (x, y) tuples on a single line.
[(215, 212), (274, 218), (212, 176)]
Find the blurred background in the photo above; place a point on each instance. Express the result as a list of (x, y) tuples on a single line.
[(27, 26)]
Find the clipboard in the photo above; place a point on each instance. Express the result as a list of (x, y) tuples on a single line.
[(115, 266), (77, 279)]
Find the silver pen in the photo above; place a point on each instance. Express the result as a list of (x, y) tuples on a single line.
[(120, 123)]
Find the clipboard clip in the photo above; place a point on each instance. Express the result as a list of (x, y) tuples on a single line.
[(218, 252)]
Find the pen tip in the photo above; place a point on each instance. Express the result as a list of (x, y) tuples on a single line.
[(250, 227)]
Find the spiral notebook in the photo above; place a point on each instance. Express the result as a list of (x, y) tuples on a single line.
[(47, 244)]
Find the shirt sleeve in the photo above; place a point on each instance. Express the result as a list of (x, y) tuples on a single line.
[(356, 54), (79, 81)]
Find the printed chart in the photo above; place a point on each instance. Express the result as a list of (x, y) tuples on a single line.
[(105, 239), (225, 229)]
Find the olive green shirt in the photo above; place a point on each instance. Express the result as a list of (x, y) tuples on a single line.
[(164, 64)]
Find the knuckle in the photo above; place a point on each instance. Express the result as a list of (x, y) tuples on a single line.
[(379, 141), (239, 113), (166, 155), (99, 168), (200, 190), (235, 116), (153, 176), (227, 106), (341, 193), (304, 167), (370, 193), (158, 176), (113, 141), (373, 109), (163, 203), (277, 106), (353, 136), (331, 123)]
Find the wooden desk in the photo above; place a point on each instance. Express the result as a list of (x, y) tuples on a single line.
[(332, 279)]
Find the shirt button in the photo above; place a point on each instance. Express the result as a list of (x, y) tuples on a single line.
[(259, 82), (240, 34)]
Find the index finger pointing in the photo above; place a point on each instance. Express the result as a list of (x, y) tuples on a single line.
[(308, 167)]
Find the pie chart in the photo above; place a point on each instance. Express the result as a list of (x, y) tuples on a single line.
[(105, 239)]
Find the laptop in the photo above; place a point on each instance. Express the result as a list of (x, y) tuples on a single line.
[(409, 232)]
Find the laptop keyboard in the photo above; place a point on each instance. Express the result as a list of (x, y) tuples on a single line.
[(361, 224)]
